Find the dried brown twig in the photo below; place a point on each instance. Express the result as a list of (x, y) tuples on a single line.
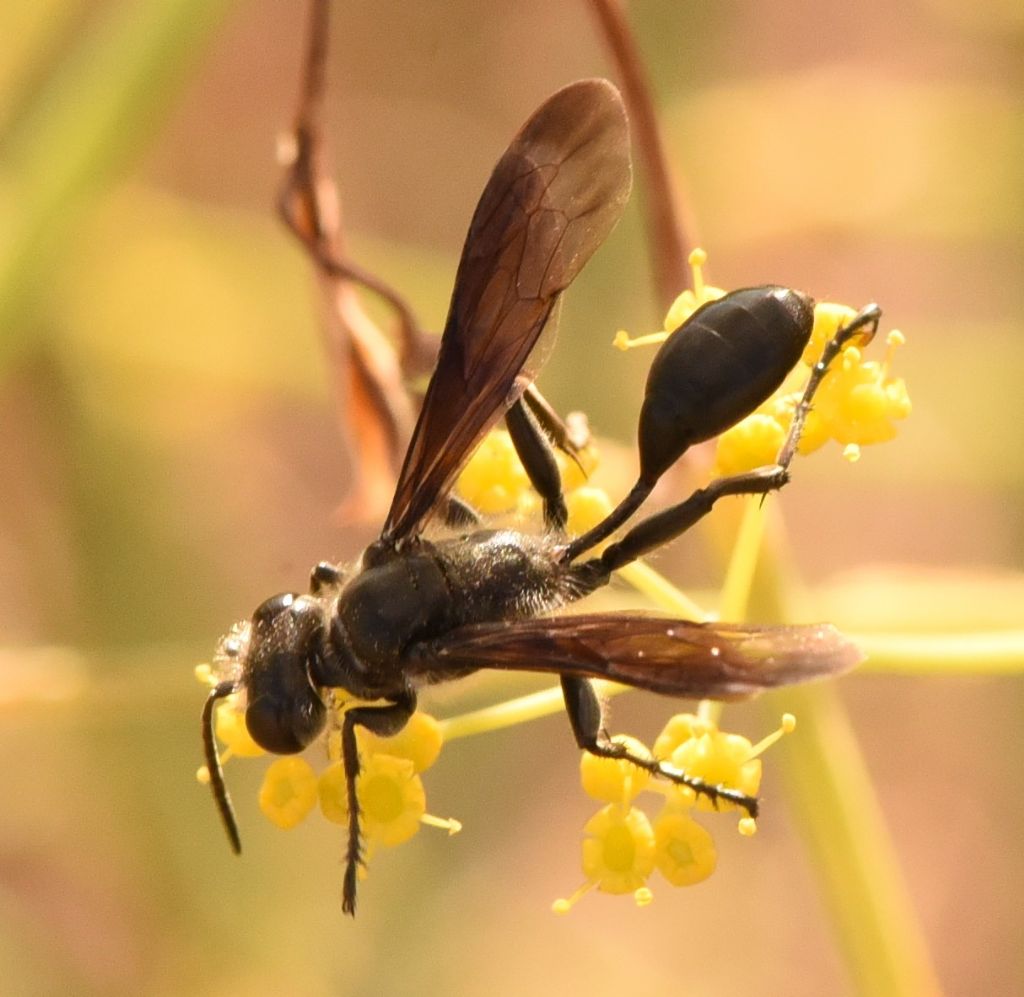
[(667, 225), (375, 410)]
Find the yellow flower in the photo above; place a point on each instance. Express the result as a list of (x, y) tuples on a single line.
[(332, 791), (857, 404), (390, 794), (614, 780), (587, 507), (493, 478), (680, 310), (859, 401), (689, 301), (231, 730), (684, 851), (618, 856), (288, 792), (391, 799), (754, 442), (618, 852), (419, 741), (717, 758)]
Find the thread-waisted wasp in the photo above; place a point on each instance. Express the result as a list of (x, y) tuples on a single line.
[(416, 611)]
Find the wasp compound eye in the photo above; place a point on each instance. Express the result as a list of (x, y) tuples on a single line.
[(286, 720), (284, 712)]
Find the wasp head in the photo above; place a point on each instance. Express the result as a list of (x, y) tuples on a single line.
[(284, 710), (271, 659)]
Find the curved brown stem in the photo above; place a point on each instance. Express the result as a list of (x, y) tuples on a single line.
[(375, 412), (669, 239)]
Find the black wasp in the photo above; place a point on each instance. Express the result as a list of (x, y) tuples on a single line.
[(416, 611)]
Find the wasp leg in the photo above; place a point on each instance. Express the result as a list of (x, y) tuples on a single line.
[(570, 435), (538, 459), (665, 526), (586, 714), (662, 527), (383, 721), (458, 514), (324, 575)]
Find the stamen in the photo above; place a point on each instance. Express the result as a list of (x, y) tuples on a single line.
[(449, 824), (893, 340), (697, 259), (786, 726), (565, 904), (624, 341)]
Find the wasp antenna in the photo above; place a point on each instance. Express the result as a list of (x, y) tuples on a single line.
[(217, 784)]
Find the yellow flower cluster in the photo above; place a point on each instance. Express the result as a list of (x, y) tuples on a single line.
[(858, 404), (623, 846), (494, 482), (392, 800)]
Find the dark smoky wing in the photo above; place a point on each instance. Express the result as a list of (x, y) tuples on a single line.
[(552, 199), (678, 658)]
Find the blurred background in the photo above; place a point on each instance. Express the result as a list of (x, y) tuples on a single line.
[(171, 456)]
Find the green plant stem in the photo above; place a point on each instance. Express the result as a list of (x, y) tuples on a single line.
[(999, 652), (507, 714), (855, 860), (93, 115), (837, 811)]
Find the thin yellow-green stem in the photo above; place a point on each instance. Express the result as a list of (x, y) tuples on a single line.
[(739, 580), (739, 576), (507, 714), (837, 811), (514, 711), (999, 652), (854, 857), (662, 592)]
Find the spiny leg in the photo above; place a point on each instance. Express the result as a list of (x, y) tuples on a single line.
[(459, 514), (383, 721), (586, 714), (324, 575), (570, 435), (662, 527), (867, 318)]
